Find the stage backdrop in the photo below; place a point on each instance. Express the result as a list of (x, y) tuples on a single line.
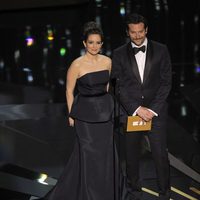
[(24, 4)]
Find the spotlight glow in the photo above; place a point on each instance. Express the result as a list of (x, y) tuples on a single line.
[(42, 179), (50, 37), (122, 11), (62, 51), (29, 41), (197, 69)]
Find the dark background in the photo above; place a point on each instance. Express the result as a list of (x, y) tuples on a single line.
[(175, 23), (33, 130)]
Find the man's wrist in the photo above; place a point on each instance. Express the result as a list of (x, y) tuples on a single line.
[(135, 113), (156, 114)]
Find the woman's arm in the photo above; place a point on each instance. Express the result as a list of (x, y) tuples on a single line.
[(109, 68), (72, 75)]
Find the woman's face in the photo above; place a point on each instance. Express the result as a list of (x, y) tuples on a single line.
[(93, 44)]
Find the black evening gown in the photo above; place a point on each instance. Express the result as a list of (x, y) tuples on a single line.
[(90, 171)]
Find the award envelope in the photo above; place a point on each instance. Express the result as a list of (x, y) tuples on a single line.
[(135, 123)]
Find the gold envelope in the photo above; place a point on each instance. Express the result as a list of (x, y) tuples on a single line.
[(135, 123)]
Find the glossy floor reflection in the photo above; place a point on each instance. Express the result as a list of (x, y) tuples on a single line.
[(35, 140)]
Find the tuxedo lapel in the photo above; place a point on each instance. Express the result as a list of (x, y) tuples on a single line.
[(148, 62), (133, 64)]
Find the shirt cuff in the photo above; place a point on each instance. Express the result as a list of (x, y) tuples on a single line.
[(134, 114), (153, 112)]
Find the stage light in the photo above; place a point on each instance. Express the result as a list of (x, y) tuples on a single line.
[(69, 43), (166, 7), (50, 34), (2, 64), (62, 51), (98, 20), (29, 74), (108, 53), (30, 78), (157, 5), (50, 38), (17, 55), (183, 110), (26, 69), (67, 31), (197, 69), (196, 19), (82, 52), (45, 51), (122, 9), (99, 3), (28, 37), (42, 179), (61, 81), (29, 41)]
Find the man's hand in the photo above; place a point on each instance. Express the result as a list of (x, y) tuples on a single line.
[(145, 114)]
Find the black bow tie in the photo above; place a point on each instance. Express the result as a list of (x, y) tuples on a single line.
[(136, 49)]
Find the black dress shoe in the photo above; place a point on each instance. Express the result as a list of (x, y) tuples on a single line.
[(133, 198), (165, 196), (136, 195), (162, 197)]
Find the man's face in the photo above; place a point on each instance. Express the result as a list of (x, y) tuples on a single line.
[(137, 33)]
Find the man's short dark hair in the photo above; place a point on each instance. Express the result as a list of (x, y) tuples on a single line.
[(135, 18)]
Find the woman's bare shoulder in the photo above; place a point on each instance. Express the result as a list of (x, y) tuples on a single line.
[(106, 61), (77, 62), (75, 65), (105, 58)]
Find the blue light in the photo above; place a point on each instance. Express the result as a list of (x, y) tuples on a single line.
[(30, 78), (197, 69)]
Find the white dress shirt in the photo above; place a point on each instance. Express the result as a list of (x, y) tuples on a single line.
[(140, 59)]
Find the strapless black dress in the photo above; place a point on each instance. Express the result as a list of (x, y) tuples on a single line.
[(90, 171), (93, 103)]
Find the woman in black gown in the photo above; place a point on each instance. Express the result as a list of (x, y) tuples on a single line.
[(90, 171)]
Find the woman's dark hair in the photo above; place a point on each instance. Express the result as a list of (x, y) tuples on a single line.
[(135, 18), (91, 28)]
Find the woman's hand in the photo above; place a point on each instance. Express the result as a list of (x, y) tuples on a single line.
[(71, 122)]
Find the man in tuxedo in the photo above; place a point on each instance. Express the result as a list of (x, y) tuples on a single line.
[(143, 68)]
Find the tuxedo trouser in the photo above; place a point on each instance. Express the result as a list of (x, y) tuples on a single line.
[(157, 140)]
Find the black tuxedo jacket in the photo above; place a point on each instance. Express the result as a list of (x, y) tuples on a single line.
[(154, 90)]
